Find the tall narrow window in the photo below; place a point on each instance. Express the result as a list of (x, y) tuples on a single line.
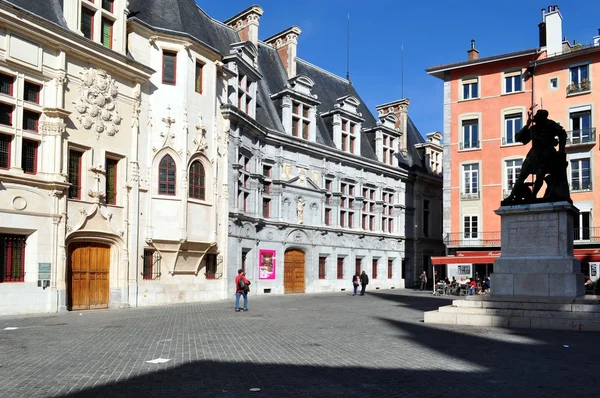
[(6, 84), (470, 134), (348, 136), (470, 227), (29, 156), (166, 176), (211, 266), (471, 181), (197, 181), (5, 141), (31, 92), (30, 120), (513, 169), (169, 73), (340, 268), (198, 78), (6, 112), (426, 211), (390, 268), (512, 125), (300, 120), (581, 224), (266, 208), (581, 175), (12, 258), (106, 32), (87, 23), (374, 272), (322, 263), (151, 268), (111, 181), (357, 264), (75, 174), (581, 131)]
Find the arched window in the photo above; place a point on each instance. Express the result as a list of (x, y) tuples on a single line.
[(197, 181), (166, 176)]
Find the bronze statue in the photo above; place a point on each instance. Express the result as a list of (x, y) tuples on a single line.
[(543, 161)]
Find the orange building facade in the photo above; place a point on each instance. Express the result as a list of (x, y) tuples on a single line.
[(486, 102)]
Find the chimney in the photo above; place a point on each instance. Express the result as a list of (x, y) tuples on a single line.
[(473, 53), (597, 39), (286, 44), (553, 21), (400, 110), (246, 23)]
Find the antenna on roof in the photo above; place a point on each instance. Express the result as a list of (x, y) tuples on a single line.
[(348, 52), (402, 73)]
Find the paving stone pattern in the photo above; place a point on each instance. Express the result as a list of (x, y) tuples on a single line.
[(303, 345)]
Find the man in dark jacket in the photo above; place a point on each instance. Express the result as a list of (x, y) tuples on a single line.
[(364, 281)]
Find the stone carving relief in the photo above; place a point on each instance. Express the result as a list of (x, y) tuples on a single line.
[(137, 106), (316, 177), (300, 210), (97, 103), (287, 171), (302, 177), (200, 140)]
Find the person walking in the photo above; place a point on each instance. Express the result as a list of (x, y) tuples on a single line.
[(241, 290), (364, 281), (356, 282), (423, 279)]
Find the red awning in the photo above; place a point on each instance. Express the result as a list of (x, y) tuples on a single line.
[(488, 257), (463, 260)]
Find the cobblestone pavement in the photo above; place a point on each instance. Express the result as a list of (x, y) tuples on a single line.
[(302, 345)]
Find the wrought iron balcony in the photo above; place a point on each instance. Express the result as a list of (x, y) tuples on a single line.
[(479, 239), (577, 186), (581, 137), (584, 86), (470, 196), (590, 234), (468, 145)]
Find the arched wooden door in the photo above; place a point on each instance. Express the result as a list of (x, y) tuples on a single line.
[(88, 276), (293, 271)]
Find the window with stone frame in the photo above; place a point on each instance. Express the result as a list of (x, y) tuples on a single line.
[(151, 264), (12, 258), (340, 268), (245, 94), (244, 183), (266, 193), (5, 147), (210, 261), (347, 205), (348, 135), (197, 181), (389, 149), (104, 10), (374, 268), (368, 210), (328, 199), (169, 68), (111, 180), (74, 171), (300, 120), (167, 173), (387, 219), (29, 156), (322, 266)]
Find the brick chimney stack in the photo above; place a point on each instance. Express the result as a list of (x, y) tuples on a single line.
[(286, 44), (400, 110), (246, 23), (473, 53)]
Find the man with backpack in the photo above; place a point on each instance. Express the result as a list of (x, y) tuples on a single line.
[(241, 289), (364, 281)]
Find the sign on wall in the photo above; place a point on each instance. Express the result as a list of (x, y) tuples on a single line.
[(266, 264), (460, 271), (594, 271)]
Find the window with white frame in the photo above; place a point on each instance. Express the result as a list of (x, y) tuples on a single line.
[(470, 227), (347, 206), (470, 88), (470, 181), (579, 79), (512, 168), (368, 213), (389, 145), (581, 127), (91, 11), (512, 125), (348, 135), (581, 225), (513, 82), (245, 94), (581, 175), (387, 219), (300, 120), (470, 134)]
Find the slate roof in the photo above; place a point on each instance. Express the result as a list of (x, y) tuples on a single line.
[(50, 10), (184, 17)]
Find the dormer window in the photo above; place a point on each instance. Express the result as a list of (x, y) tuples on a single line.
[(300, 120), (348, 136), (244, 94), (96, 21), (389, 149)]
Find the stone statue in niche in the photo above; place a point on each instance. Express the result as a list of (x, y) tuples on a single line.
[(97, 102), (302, 177), (287, 171), (543, 161), (300, 210)]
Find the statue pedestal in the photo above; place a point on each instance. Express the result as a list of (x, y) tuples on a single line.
[(537, 252), (537, 283)]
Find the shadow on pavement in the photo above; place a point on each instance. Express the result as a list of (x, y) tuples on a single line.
[(420, 301)]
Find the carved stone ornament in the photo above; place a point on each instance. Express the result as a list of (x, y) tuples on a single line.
[(302, 177), (287, 171), (97, 103)]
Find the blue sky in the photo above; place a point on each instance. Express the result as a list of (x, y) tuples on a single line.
[(432, 32)]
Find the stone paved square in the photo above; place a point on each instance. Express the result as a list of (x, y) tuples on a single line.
[(297, 345)]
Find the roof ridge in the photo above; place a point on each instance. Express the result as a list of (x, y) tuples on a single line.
[(323, 70), (215, 20)]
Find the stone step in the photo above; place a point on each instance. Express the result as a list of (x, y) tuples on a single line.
[(585, 322), (521, 305), (520, 312)]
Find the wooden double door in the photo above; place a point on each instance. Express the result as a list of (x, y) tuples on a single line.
[(88, 276), (293, 274)]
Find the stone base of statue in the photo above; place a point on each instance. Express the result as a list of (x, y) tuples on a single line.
[(537, 282)]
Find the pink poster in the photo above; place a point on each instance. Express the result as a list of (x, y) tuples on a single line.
[(266, 264)]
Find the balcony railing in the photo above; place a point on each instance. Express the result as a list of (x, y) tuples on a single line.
[(470, 196), (581, 137), (493, 239), (480, 239), (577, 186), (468, 145), (584, 86)]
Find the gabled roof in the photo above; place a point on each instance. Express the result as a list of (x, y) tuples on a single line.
[(50, 10), (186, 18)]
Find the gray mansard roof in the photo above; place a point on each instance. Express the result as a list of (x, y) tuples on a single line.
[(183, 17), (50, 10)]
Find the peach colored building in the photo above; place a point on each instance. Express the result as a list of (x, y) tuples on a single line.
[(486, 102)]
